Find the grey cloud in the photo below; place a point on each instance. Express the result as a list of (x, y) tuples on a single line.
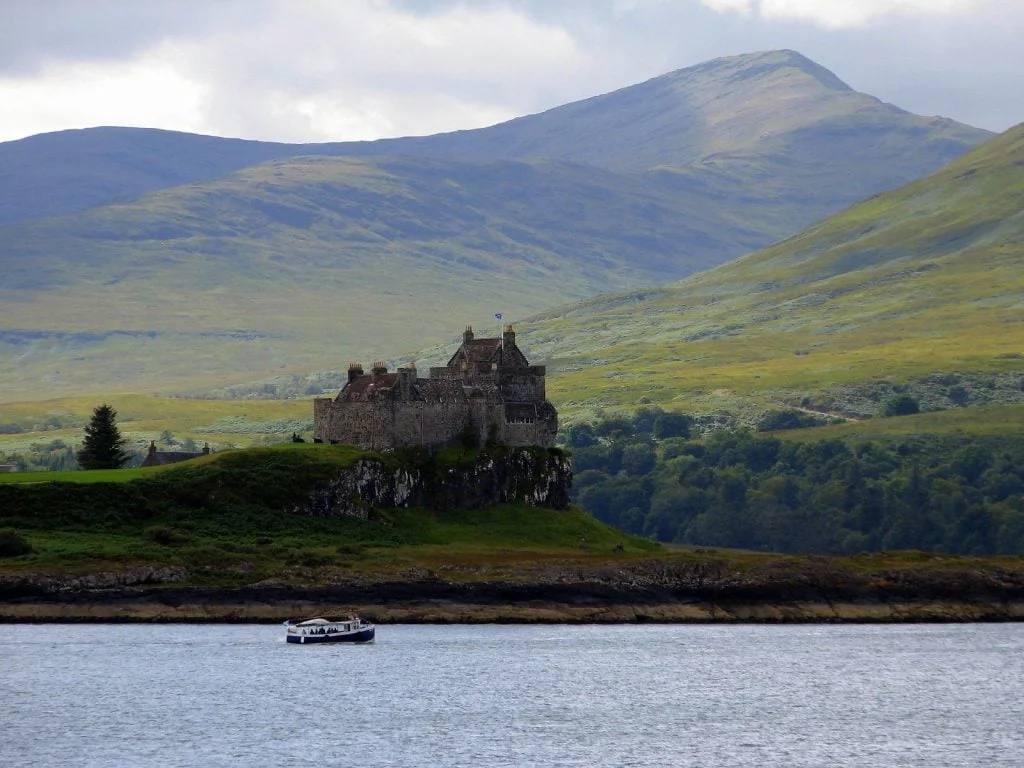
[(34, 33), (248, 52)]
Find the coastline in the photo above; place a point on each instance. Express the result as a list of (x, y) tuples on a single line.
[(519, 603), (809, 613)]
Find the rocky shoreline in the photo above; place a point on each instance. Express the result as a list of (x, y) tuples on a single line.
[(665, 592)]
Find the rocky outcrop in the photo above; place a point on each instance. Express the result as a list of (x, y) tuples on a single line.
[(534, 476), (18, 585)]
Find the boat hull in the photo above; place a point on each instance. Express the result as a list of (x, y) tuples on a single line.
[(361, 636)]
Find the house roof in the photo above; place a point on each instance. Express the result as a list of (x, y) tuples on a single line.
[(363, 387), (479, 350), (440, 390), (489, 350)]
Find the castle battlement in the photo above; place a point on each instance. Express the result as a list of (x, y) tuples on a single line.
[(488, 388)]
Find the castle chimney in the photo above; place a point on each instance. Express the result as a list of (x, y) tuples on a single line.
[(355, 370), (467, 335), (405, 377), (152, 447), (206, 448), (509, 336), (379, 369)]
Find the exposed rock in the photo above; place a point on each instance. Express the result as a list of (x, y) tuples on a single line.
[(536, 477), (43, 583)]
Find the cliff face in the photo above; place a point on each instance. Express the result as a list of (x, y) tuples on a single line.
[(540, 478)]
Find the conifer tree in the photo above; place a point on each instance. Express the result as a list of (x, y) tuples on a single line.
[(103, 447)]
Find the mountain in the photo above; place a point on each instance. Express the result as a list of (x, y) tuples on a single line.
[(726, 117), (924, 284), (147, 259)]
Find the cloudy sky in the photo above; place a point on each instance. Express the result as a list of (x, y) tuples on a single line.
[(319, 70)]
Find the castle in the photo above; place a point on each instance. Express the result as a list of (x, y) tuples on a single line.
[(488, 391)]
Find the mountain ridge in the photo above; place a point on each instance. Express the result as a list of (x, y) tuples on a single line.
[(130, 147)]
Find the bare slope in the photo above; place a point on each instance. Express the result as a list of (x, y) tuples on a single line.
[(925, 279)]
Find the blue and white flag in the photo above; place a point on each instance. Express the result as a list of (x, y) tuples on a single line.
[(498, 315)]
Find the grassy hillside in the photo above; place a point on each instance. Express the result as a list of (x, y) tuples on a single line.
[(189, 263), (916, 290), (225, 517), (309, 262), (67, 171), (922, 281)]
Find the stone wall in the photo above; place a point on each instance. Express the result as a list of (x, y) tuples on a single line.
[(418, 423), (376, 425), (526, 386), (365, 425)]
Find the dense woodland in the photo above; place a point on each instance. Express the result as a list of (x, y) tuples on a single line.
[(647, 476)]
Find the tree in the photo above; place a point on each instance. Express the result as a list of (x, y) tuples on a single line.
[(672, 424), (638, 459), (103, 447), (903, 405), (580, 436)]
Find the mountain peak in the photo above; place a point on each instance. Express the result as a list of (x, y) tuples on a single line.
[(749, 66)]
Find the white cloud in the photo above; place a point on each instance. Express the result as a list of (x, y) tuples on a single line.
[(840, 14), (313, 71), (321, 70), (145, 92)]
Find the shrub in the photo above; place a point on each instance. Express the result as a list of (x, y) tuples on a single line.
[(904, 405), (205, 554), (310, 559), (12, 544), (165, 535), (789, 419), (958, 395)]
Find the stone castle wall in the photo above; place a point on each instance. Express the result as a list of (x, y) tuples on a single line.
[(376, 426), (488, 389), (525, 386)]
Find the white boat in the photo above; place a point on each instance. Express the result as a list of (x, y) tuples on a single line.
[(321, 630)]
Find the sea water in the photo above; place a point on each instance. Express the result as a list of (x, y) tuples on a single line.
[(237, 695)]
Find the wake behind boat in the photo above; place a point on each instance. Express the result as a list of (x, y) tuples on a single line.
[(321, 630)]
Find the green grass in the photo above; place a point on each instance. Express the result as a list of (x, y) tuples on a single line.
[(142, 418), (229, 517), (923, 280), (92, 476), (993, 421)]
